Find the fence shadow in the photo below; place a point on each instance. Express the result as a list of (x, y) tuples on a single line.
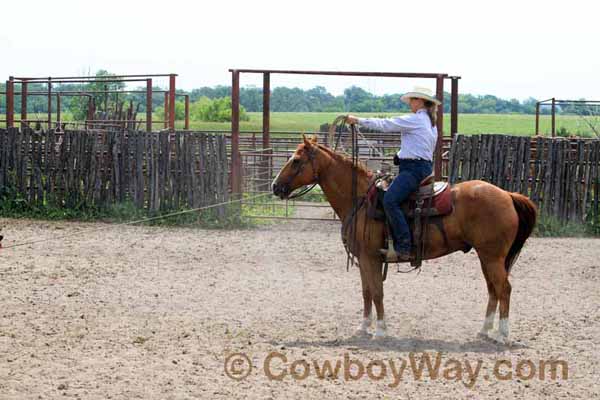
[(404, 344)]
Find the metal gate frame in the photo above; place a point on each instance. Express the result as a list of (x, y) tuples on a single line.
[(236, 156)]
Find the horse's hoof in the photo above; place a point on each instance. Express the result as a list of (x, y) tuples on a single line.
[(483, 334), (380, 329), (499, 338), (361, 333), (380, 334)]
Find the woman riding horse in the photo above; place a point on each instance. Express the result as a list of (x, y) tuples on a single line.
[(419, 136), (490, 220)]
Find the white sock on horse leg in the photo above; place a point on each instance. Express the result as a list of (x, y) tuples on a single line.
[(503, 327), (489, 322), (380, 327), (366, 323)]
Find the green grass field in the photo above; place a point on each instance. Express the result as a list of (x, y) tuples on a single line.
[(514, 124)]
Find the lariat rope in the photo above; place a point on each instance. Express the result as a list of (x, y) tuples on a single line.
[(333, 141), (112, 226), (340, 123)]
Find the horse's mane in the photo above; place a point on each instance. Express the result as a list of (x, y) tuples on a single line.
[(345, 159)]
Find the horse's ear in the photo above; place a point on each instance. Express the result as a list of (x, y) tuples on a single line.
[(313, 139), (307, 142)]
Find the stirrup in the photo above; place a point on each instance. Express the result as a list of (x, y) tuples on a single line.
[(390, 255)]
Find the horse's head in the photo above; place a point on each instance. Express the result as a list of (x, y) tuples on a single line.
[(300, 170)]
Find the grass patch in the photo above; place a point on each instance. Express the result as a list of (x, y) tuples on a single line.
[(232, 216), (469, 124), (549, 226), (269, 206), (126, 212)]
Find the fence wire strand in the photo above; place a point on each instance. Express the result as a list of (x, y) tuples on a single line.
[(136, 222)]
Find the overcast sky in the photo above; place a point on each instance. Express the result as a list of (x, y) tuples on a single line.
[(506, 48)]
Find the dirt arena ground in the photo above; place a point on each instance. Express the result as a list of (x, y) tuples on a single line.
[(155, 313)]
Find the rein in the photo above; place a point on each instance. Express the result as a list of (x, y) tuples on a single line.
[(351, 220)]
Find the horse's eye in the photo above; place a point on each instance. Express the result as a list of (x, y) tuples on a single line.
[(296, 161)]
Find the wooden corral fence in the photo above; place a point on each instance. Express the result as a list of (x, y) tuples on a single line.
[(560, 175), (153, 170)]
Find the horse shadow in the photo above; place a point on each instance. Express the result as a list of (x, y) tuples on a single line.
[(404, 344)]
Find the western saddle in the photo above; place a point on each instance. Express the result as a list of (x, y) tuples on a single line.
[(432, 199)]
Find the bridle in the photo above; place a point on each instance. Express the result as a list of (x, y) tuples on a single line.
[(339, 122), (299, 167)]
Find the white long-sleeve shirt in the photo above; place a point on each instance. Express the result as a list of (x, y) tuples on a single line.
[(418, 136)]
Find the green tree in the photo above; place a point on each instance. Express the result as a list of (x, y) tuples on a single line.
[(79, 105), (214, 110), (357, 99), (251, 98), (179, 111)]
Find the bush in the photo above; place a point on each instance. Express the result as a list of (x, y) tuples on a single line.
[(549, 226), (563, 132), (214, 110), (179, 111)]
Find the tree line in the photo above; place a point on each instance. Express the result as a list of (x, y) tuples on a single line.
[(356, 99), (283, 99)]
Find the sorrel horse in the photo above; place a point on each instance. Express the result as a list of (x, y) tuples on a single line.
[(494, 222)]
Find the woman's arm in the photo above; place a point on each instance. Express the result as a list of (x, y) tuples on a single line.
[(393, 124)]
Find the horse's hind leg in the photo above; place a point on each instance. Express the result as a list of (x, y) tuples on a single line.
[(490, 313), (498, 277), (503, 289), (377, 288)]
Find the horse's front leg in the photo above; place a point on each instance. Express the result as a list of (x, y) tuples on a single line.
[(367, 321), (377, 293), (371, 273)]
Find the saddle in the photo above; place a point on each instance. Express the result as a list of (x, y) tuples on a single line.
[(429, 203)]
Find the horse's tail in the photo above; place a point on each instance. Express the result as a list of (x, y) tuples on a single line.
[(527, 212)]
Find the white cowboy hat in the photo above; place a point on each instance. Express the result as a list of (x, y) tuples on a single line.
[(420, 93)]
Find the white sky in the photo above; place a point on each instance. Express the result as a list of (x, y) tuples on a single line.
[(506, 48)]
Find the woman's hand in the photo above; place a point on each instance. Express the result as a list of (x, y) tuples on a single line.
[(351, 120)]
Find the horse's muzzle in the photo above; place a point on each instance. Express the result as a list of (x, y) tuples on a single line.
[(281, 191)]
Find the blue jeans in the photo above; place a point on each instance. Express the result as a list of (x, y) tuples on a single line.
[(412, 172)]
